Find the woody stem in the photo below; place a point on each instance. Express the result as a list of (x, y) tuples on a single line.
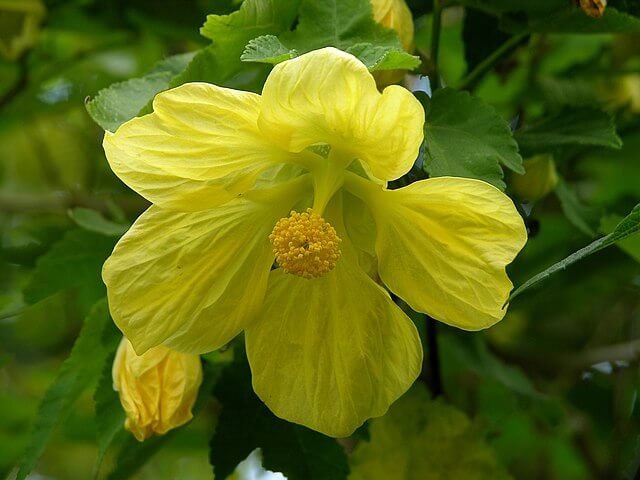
[(433, 357)]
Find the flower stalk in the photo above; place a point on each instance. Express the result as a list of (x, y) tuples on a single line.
[(435, 41)]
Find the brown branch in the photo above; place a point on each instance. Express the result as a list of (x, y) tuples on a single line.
[(624, 351)]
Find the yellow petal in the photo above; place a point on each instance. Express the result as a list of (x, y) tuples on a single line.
[(333, 351), (443, 245), (191, 281), (198, 149), (328, 96), (361, 230), (157, 389)]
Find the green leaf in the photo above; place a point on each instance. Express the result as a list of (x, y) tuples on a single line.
[(572, 19), (503, 6), (554, 16), (471, 351), (425, 439), (344, 24), (246, 424), (74, 260), (134, 454), (630, 245), (254, 18), (220, 62), (267, 49), (94, 221), (340, 24), (627, 227), (121, 102), (78, 372), (584, 126), (109, 413), (583, 217), (377, 57), (465, 137)]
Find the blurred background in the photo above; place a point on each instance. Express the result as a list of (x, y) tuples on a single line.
[(553, 388)]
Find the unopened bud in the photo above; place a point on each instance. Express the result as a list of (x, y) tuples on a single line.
[(157, 389), (394, 14), (540, 178)]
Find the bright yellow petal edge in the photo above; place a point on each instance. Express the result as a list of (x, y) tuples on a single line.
[(193, 281), (443, 245), (200, 148), (328, 96)]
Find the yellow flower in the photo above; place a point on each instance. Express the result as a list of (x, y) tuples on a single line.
[(540, 178), (157, 389), (328, 347)]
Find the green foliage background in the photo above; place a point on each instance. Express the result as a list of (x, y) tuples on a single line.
[(551, 392)]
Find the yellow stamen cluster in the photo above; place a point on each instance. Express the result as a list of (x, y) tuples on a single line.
[(305, 244)]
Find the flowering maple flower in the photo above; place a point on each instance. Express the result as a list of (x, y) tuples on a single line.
[(298, 175), (157, 389)]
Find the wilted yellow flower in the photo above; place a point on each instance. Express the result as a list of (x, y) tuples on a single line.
[(19, 23), (395, 14), (593, 8), (157, 389), (540, 178), (328, 347)]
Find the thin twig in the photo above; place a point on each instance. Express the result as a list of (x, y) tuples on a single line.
[(435, 42), (60, 202), (488, 63), (431, 375), (618, 352), (434, 357)]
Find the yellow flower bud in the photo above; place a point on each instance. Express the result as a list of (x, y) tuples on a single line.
[(157, 389), (540, 178), (394, 14), (622, 93)]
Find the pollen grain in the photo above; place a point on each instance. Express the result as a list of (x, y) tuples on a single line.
[(305, 244)]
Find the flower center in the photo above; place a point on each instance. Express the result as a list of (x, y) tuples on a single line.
[(305, 244)]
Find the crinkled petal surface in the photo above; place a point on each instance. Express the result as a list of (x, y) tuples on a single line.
[(191, 281), (329, 96), (157, 389), (199, 148), (443, 245), (331, 352)]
